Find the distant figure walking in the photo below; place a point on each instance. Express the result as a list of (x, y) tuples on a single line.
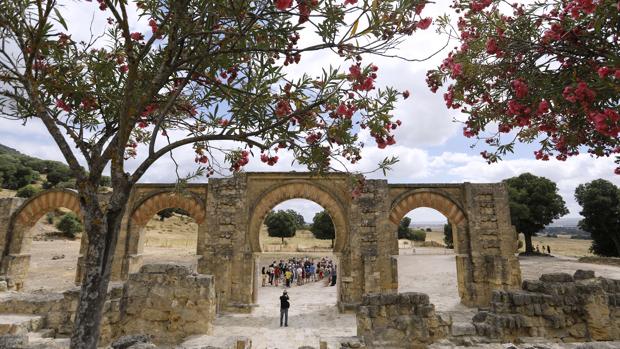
[(284, 305), (333, 276), (548, 249)]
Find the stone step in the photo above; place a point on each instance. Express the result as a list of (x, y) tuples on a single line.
[(461, 329), (19, 323)]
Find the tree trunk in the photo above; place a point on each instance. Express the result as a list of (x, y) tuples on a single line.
[(103, 230), (616, 241), (282, 240), (529, 248), (332, 243)]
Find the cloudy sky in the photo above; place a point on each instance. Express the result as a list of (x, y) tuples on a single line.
[(430, 145)]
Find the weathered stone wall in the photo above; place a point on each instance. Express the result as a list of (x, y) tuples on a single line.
[(558, 306), (372, 243), (223, 245), (404, 320), (7, 207), (58, 310), (167, 302), (491, 263)]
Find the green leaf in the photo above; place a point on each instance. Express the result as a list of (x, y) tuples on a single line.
[(60, 19), (354, 28)]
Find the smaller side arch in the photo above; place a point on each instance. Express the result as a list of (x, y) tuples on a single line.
[(149, 206), (431, 198), (16, 257), (144, 210), (35, 207)]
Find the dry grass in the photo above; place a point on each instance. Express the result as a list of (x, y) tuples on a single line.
[(175, 232), (562, 245), (7, 193), (303, 241)]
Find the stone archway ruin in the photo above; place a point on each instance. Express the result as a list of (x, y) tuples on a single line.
[(144, 210), (229, 210), (297, 190), (16, 252)]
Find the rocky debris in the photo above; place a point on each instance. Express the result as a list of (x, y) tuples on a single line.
[(13, 341), (558, 306), (57, 257), (169, 302), (403, 320), (126, 342)]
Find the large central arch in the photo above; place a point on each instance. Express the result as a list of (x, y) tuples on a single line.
[(297, 190)]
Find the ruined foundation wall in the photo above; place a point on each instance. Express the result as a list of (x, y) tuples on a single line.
[(404, 320), (167, 302), (162, 299), (558, 306)]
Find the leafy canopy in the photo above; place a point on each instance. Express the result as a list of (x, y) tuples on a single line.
[(322, 226), (600, 202), (534, 203), (205, 71), (546, 71), (280, 224)]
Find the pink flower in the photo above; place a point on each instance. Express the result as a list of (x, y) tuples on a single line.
[(543, 107), (283, 4), (457, 70), (603, 72), (425, 23), (136, 36), (520, 88), (492, 46), (350, 2)]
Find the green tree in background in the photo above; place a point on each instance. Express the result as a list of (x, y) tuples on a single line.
[(323, 227), (70, 225), (27, 191), (447, 236), (600, 202), (403, 228), (300, 222), (280, 224), (534, 203)]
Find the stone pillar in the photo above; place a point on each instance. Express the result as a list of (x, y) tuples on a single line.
[(491, 263), (222, 244), (371, 246), (13, 263)]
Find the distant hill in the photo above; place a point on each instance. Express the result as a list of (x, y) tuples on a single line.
[(8, 150), (18, 170)]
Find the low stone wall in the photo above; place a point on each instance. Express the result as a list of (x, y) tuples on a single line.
[(561, 307), (160, 299), (58, 310), (168, 302), (404, 320)]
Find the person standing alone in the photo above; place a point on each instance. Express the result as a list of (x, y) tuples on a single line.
[(284, 305)]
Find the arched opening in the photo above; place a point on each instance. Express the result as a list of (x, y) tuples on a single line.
[(170, 236), (45, 243), (164, 229), (432, 264), (309, 264)]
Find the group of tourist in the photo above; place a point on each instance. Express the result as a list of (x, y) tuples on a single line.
[(299, 271), (548, 249)]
